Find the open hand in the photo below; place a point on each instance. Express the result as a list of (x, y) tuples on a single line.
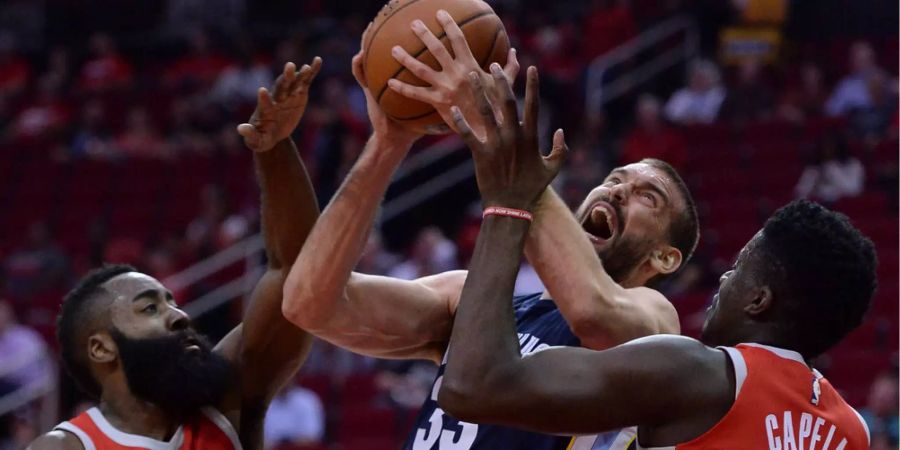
[(449, 86), (278, 113), (510, 169)]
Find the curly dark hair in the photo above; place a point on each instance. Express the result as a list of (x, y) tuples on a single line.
[(825, 267), (76, 320)]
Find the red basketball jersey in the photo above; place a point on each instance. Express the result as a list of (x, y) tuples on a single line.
[(781, 404), (207, 430)]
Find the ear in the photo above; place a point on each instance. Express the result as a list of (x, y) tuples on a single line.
[(665, 260), (761, 302), (102, 348)]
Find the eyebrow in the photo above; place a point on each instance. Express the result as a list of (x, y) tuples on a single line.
[(151, 293), (653, 186)]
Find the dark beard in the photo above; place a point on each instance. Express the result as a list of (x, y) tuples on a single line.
[(623, 257), (163, 372)]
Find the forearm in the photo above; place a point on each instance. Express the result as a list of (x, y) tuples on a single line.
[(337, 240), (568, 265), (483, 344), (289, 207)]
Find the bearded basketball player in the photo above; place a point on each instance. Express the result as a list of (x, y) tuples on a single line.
[(641, 223), (160, 384), (798, 287)]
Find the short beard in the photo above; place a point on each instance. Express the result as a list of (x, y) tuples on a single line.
[(163, 372), (622, 257)]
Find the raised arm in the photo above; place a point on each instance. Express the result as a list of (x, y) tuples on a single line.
[(368, 314), (600, 312), (267, 349), (559, 390)]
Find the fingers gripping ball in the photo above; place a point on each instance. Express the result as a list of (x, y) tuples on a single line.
[(482, 28)]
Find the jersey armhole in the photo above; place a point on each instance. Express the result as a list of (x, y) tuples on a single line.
[(79, 434), (222, 422), (740, 368), (864, 424)]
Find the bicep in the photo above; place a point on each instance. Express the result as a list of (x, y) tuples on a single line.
[(393, 318), (56, 440), (577, 391)]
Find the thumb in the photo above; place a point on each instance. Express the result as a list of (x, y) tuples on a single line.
[(558, 153), (251, 135)]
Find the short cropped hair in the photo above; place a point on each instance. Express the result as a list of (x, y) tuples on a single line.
[(684, 230), (827, 272), (74, 322)]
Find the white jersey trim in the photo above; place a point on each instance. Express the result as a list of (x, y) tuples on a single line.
[(222, 422), (864, 424), (70, 427), (134, 440), (786, 354), (740, 368)]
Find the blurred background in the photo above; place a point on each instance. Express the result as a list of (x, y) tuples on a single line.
[(117, 143)]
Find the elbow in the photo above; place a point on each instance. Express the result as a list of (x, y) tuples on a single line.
[(595, 329), (462, 401), (294, 298)]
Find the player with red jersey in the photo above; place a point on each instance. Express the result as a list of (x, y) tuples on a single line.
[(798, 287), (160, 384)]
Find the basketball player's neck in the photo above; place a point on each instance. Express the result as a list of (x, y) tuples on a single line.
[(131, 415)]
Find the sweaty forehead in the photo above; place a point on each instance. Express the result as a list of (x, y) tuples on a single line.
[(128, 285)]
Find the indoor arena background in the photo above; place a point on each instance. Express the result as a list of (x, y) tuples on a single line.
[(118, 143)]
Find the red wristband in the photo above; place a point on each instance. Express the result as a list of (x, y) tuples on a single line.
[(508, 212)]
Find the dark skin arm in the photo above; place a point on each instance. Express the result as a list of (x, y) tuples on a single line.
[(674, 388), (266, 348)]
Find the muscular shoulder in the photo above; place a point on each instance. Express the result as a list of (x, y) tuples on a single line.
[(657, 309), (56, 440)]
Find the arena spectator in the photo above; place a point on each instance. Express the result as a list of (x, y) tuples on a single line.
[(806, 98), (141, 139), (853, 91), (376, 260), (431, 253), (199, 67), (880, 412), (751, 98), (238, 84), (91, 139), (107, 70), (295, 417), (24, 362), (651, 137), (871, 122), (833, 174), (609, 24), (38, 266), (14, 70), (700, 100), (47, 116)]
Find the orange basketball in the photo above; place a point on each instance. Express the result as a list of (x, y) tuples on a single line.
[(483, 30)]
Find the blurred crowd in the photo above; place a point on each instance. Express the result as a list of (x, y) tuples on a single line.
[(171, 79)]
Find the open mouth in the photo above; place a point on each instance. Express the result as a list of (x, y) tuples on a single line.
[(600, 223)]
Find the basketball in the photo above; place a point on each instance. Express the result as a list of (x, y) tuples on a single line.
[(483, 30)]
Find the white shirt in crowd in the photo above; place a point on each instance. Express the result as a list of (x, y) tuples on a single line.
[(690, 106), (295, 416), (832, 180)]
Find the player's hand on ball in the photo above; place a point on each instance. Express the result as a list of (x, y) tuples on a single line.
[(278, 113), (509, 167), (383, 127), (449, 86)]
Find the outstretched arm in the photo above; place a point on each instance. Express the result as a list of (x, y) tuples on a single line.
[(266, 348), (368, 314), (559, 390), (600, 312)]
